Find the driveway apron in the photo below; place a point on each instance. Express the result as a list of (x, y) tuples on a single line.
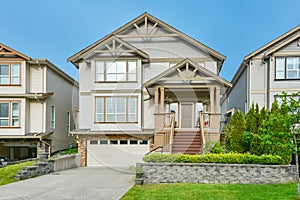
[(76, 184)]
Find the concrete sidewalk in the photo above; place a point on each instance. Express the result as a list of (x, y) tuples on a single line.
[(74, 184)]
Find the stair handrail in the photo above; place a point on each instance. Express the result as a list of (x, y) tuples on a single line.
[(201, 121), (159, 147), (172, 130)]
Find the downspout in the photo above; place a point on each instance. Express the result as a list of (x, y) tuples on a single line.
[(150, 96), (248, 84)]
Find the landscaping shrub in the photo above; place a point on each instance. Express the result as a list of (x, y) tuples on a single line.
[(230, 158)]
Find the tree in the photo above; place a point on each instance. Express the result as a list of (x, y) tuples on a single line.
[(234, 132)]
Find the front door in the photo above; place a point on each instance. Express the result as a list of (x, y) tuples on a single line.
[(186, 115)]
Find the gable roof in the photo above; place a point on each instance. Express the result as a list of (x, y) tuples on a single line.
[(277, 40), (184, 63), (76, 57), (115, 48), (7, 52)]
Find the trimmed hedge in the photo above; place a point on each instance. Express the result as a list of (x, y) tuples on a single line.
[(230, 158)]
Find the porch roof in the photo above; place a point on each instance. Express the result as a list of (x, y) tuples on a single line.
[(209, 76)]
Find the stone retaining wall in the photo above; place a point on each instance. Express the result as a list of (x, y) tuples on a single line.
[(216, 173), (45, 166)]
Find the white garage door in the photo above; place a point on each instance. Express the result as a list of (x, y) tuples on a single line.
[(116, 152)]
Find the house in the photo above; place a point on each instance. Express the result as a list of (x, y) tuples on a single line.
[(38, 103), (146, 86), (265, 73)]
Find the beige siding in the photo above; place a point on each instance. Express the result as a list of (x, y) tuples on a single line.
[(63, 102)]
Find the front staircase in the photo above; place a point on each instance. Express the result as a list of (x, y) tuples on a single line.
[(187, 141)]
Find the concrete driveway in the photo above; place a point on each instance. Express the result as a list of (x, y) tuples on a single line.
[(76, 184)]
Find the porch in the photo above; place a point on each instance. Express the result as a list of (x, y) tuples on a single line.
[(186, 118)]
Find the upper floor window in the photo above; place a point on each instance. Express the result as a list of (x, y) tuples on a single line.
[(52, 122), (119, 70), (287, 68), (9, 114), (10, 74), (116, 109)]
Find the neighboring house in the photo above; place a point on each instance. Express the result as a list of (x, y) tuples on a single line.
[(38, 103), (133, 79), (265, 73)]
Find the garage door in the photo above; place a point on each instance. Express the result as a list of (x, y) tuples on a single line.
[(116, 152)]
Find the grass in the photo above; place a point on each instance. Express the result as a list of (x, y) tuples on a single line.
[(7, 173), (212, 191)]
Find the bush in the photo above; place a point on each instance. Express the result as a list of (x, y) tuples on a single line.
[(229, 158)]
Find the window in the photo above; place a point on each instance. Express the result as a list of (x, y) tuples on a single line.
[(123, 142), (112, 71), (68, 122), (113, 142), (10, 74), (103, 141), (287, 68), (143, 142), (93, 142), (133, 142), (52, 123), (9, 114), (116, 109)]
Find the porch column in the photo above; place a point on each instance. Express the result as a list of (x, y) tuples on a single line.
[(156, 99), (218, 100), (212, 99), (162, 99)]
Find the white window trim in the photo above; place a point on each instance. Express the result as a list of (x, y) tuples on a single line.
[(52, 119)]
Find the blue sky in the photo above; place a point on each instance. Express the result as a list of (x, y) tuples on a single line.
[(57, 29)]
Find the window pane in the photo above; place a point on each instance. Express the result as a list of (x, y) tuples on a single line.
[(99, 105), (121, 67), (132, 104), (103, 141), (4, 74), (280, 68), (131, 77), (3, 122), (121, 77), (111, 77), (121, 105), (99, 71), (99, 118), (15, 110), (144, 142), (292, 63), (110, 105), (4, 107), (292, 74), (113, 142), (121, 117), (93, 142), (132, 67), (15, 123), (110, 117), (133, 142), (123, 142), (111, 67), (132, 118)]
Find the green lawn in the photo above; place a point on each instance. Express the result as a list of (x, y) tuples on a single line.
[(212, 191), (7, 173)]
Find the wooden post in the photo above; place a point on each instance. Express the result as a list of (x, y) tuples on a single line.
[(162, 99), (212, 99), (156, 99), (218, 100)]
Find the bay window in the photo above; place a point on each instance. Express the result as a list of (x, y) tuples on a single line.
[(116, 109), (113, 71), (10, 74), (9, 114), (287, 68)]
